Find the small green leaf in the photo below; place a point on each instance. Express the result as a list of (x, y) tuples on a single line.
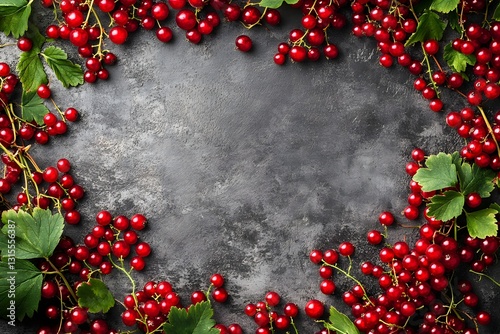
[(430, 26), (14, 16), (340, 322), (20, 288), (447, 206), (95, 296), (444, 6), (453, 21), (36, 235), (32, 107), (30, 69), (496, 13), (482, 223), (495, 206), (474, 179), (197, 320), (440, 173), (457, 60), (67, 72), (276, 3)]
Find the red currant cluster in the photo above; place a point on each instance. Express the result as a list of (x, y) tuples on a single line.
[(265, 316), (117, 235), (14, 130), (311, 40), (78, 263), (417, 282), (52, 187), (149, 308), (8, 82), (58, 290)]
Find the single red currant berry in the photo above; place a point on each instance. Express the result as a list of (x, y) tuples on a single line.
[(143, 249), (217, 280), (137, 263), (138, 222), (346, 249), (219, 295), (386, 218), (243, 43), (272, 298), (43, 91), (118, 35), (104, 218), (314, 309)]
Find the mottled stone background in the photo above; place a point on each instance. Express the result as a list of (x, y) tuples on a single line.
[(242, 166)]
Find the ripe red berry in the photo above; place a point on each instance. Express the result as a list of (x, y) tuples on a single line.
[(217, 280), (314, 309), (386, 218), (243, 43)]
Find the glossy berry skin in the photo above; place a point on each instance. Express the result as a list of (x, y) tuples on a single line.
[(314, 309), (346, 249), (243, 43), (118, 35), (272, 298), (386, 218), (43, 91), (217, 280), (220, 295)]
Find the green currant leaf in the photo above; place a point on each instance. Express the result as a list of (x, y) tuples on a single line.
[(447, 206), (474, 179), (32, 107), (340, 323), (430, 26), (67, 72), (444, 6), (14, 16), (197, 320), (36, 235), (456, 60), (20, 287), (482, 223), (496, 13), (495, 206), (453, 21), (95, 296), (276, 3), (440, 173), (30, 69)]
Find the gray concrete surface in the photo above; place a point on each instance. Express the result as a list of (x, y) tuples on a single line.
[(243, 166)]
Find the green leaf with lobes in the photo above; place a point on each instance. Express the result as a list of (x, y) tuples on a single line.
[(444, 6), (197, 320), (457, 60), (32, 107), (36, 235), (95, 296), (67, 72), (496, 13), (482, 223), (276, 3), (20, 288), (340, 323), (447, 206), (30, 67), (474, 179), (440, 173), (430, 26), (14, 17)]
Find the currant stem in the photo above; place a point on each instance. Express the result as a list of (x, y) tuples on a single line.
[(60, 274), (487, 276), (490, 129), (347, 274)]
